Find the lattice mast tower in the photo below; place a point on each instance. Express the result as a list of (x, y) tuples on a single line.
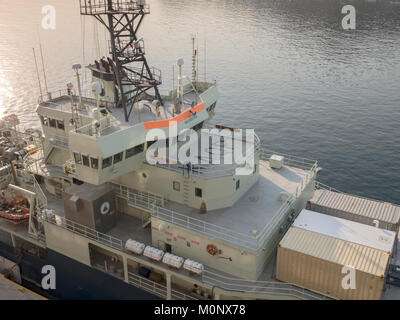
[(132, 75)]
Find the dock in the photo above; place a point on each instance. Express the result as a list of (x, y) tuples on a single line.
[(12, 291)]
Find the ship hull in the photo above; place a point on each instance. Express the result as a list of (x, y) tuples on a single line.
[(74, 280)]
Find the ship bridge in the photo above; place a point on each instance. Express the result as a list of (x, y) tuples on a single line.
[(92, 141)]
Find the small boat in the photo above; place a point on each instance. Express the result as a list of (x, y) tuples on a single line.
[(19, 214)]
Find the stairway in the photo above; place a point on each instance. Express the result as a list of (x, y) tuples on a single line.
[(58, 190), (186, 190)]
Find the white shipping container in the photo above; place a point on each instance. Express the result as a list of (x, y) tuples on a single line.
[(318, 251), (134, 246), (193, 266), (153, 253), (173, 260), (356, 209)]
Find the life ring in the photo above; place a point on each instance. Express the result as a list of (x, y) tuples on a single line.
[(211, 249)]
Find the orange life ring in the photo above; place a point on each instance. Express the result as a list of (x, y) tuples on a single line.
[(211, 249)]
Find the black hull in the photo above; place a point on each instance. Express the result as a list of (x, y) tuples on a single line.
[(74, 280)]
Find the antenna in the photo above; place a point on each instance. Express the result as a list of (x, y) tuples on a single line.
[(180, 63), (173, 77), (77, 67), (37, 71), (44, 71), (197, 56), (205, 58), (194, 54), (74, 113)]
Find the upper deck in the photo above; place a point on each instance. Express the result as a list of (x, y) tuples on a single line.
[(143, 112), (111, 145)]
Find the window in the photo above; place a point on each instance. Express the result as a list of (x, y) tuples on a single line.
[(198, 192), (85, 160), (95, 163), (149, 143), (60, 124), (53, 123), (176, 186), (134, 151), (107, 162), (237, 184), (77, 157), (118, 157), (45, 120), (198, 126)]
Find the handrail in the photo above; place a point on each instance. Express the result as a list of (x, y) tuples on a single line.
[(177, 295), (82, 230), (136, 196), (102, 7), (211, 170), (257, 286), (106, 122), (148, 285), (293, 161), (59, 141), (320, 185)]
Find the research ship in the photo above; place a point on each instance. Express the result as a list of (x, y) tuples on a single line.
[(83, 195)]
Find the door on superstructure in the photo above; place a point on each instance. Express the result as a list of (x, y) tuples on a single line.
[(164, 246)]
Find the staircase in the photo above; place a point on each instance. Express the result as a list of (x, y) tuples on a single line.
[(58, 190), (186, 190)]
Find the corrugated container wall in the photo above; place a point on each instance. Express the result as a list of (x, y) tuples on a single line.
[(315, 261), (356, 209)]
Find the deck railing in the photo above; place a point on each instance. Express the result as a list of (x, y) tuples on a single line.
[(147, 285), (83, 231), (320, 185), (142, 199), (59, 141), (154, 204), (271, 288), (209, 171), (90, 7), (177, 295), (106, 123), (289, 160)]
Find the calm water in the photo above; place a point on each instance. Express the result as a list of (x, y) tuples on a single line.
[(288, 70)]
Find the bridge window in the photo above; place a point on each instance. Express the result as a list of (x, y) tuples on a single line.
[(198, 126), (198, 192), (134, 151), (85, 160), (60, 124), (118, 157), (95, 163), (45, 120), (77, 157), (53, 123), (149, 143), (107, 162)]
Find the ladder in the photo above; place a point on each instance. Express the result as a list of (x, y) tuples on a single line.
[(186, 190)]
